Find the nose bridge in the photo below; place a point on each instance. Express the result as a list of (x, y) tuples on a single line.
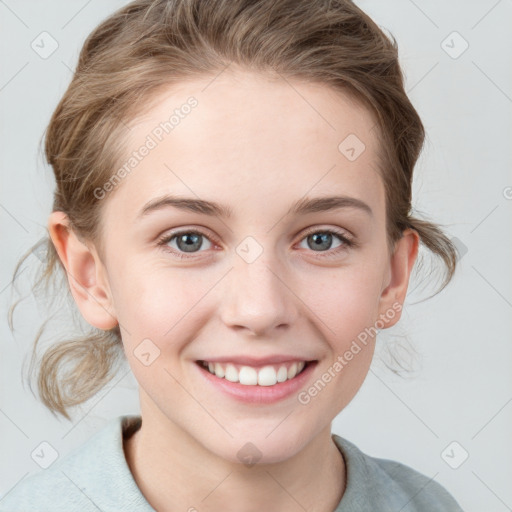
[(258, 298)]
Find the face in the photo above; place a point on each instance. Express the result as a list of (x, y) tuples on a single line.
[(258, 278)]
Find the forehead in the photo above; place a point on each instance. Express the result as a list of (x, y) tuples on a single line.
[(253, 137)]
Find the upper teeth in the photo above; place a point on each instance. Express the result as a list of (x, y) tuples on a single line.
[(265, 376)]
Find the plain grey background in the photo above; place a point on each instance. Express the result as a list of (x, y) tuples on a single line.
[(457, 402)]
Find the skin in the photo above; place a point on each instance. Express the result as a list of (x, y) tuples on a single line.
[(255, 145)]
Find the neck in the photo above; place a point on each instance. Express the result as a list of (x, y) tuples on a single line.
[(174, 472)]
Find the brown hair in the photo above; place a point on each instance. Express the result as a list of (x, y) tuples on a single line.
[(150, 44)]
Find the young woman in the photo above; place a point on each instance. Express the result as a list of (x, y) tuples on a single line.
[(233, 215)]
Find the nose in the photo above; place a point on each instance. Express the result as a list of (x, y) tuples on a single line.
[(259, 300)]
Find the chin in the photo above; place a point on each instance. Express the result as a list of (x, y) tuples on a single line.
[(258, 447)]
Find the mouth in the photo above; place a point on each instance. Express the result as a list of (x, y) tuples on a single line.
[(267, 375)]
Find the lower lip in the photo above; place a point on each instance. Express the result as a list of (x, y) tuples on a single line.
[(259, 394)]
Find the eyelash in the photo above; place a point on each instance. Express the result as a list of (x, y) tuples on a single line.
[(347, 242)]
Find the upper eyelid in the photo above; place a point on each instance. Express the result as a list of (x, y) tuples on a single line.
[(335, 231)]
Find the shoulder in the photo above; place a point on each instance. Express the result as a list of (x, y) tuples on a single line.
[(94, 476), (374, 483)]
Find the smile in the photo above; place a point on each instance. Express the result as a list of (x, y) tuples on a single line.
[(268, 375)]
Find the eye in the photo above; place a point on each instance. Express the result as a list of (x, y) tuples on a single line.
[(323, 239), (186, 242), (190, 241)]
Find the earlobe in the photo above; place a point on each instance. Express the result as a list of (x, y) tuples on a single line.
[(85, 271), (401, 265)]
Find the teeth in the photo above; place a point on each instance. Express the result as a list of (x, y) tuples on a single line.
[(249, 376)]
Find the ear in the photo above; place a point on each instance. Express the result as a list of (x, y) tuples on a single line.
[(86, 273), (401, 265)]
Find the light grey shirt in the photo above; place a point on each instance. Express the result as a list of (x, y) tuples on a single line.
[(96, 477)]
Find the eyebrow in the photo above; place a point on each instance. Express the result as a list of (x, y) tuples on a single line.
[(301, 207)]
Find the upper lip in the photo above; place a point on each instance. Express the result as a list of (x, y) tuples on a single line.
[(256, 361)]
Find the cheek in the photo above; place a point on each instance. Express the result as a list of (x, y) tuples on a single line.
[(348, 311), (346, 301), (160, 312), (158, 303)]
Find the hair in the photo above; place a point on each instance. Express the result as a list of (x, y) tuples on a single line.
[(151, 44)]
